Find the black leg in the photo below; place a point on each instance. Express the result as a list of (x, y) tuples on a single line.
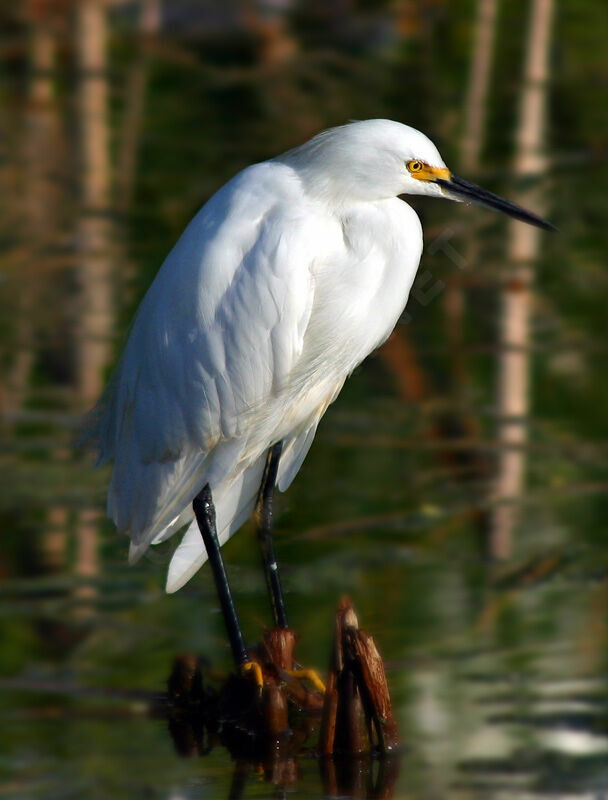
[(204, 511), (265, 525)]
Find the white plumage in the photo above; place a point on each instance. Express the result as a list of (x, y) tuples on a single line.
[(281, 284)]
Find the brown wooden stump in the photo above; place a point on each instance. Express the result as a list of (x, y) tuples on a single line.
[(357, 712), (355, 715)]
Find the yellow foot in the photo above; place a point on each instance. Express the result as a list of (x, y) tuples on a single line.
[(308, 674), (253, 668)]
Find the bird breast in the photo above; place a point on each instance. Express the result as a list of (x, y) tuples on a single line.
[(361, 289)]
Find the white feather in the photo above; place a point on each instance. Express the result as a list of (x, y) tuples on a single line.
[(281, 284), (232, 508)]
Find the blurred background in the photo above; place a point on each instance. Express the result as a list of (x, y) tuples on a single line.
[(457, 489)]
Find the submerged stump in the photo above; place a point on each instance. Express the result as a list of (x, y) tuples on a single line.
[(355, 714)]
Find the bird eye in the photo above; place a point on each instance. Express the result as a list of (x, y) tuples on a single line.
[(414, 166)]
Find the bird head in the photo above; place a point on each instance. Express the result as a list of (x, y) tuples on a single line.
[(377, 159)]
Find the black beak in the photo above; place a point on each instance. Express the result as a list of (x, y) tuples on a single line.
[(459, 189)]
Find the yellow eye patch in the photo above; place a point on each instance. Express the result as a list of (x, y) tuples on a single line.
[(424, 172)]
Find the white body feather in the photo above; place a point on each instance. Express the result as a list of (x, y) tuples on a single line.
[(280, 285)]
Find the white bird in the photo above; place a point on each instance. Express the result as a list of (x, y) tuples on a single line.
[(285, 280)]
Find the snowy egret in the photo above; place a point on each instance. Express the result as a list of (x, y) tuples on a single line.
[(278, 288)]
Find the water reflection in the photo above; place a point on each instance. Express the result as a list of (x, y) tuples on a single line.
[(513, 705), (277, 763)]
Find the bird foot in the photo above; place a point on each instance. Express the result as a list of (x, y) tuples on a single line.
[(276, 652), (253, 670), (310, 675)]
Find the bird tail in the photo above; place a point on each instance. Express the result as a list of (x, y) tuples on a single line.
[(233, 505)]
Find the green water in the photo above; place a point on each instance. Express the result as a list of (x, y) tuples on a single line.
[(498, 685), (497, 671)]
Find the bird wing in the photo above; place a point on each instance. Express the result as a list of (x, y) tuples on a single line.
[(212, 345)]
